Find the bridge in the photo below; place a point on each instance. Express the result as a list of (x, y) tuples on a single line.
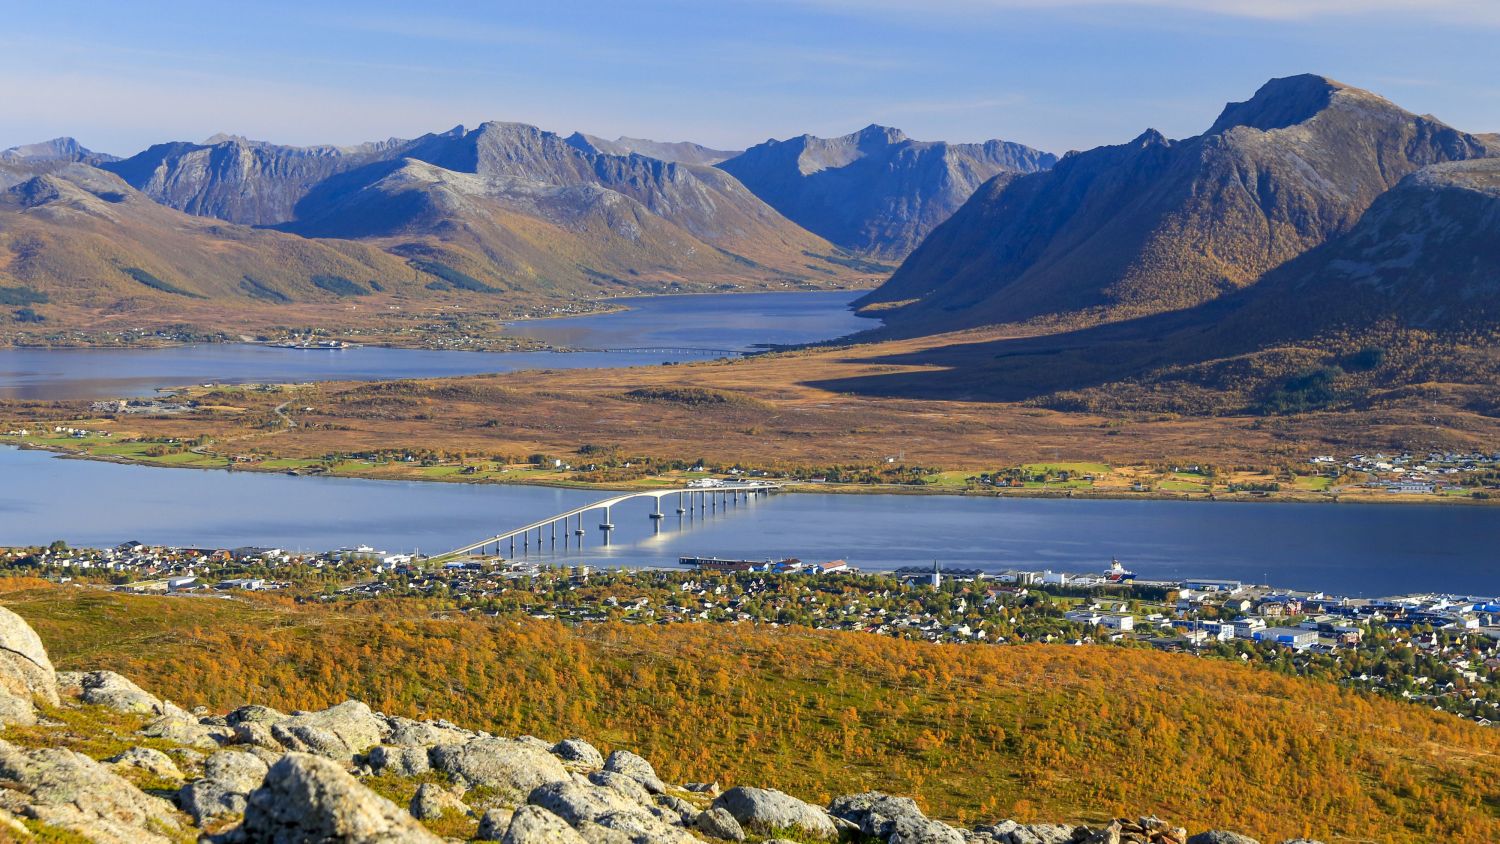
[(546, 530)]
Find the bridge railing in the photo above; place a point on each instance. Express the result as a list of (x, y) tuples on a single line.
[(705, 501)]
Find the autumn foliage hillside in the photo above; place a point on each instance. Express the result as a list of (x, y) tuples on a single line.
[(977, 733)]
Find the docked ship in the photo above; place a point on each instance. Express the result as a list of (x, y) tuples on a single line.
[(1117, 573)]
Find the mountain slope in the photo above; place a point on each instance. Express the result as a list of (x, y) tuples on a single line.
[(82, 238), (516, 234), (1425, 255), (1155, 225), (55, 151), (1404, 307), (875, 191), (240, 180), (680, 152), (504, 206), (525, 206)]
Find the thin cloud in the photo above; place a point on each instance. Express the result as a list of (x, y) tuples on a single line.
[(1466, 12)]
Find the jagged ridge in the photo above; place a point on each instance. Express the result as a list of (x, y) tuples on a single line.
[(1156, 225), (875, 191)]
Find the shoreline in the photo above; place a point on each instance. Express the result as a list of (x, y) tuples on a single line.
[(802, 488), (604, 306)]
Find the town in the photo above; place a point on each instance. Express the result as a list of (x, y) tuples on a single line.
[(1437, 650)]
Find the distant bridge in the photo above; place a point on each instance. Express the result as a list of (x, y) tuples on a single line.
[(704, 498)]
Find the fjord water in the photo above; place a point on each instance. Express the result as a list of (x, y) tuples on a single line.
[(654, 330), (1356, 549)]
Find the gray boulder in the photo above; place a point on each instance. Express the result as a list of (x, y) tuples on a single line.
[(535, 825), (1221, 836), (511, 767), (243, 772), (895, 819), (25, 671), (254, 714), (338, 732), (718, 823), (603, 815), (181, 728), (308, 798), (679, 811), (70, 683), (401, 761), (1010, 832), (147, 759), (767, 810), (596, 834), (1110, 834), (626, 786), (69, 790), (228, 778), (256, 735), (207, 799), (580, 753), (404, 732), (575, 802), (432, 801), (112, 691), (493, 824), (638, 769)]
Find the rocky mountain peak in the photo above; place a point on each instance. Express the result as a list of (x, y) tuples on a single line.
[(877, 134), (1156, 225), (875, 190), (1280, 103), (227, 138), (1149, 138), (64, 149)]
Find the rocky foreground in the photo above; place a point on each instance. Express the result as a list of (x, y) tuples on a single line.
[(259, 775)]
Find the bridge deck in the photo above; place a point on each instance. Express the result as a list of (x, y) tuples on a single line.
[(605, 504)]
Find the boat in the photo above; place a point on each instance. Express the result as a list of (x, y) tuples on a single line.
[(1117, 573)]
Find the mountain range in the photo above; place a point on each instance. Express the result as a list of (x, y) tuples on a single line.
[(1402, 307), (503, 208), (1155, 225), (1315, 242), (876, 191)]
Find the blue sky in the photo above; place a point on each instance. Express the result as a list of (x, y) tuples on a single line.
[(1056, 74)]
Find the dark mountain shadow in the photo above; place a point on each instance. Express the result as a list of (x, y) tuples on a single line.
[(1014, 370), (315, 215)]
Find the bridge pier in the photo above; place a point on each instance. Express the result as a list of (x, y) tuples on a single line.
[(546, 530)]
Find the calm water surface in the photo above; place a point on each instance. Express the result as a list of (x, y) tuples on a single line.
[(656, 329), (1355, 549)]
